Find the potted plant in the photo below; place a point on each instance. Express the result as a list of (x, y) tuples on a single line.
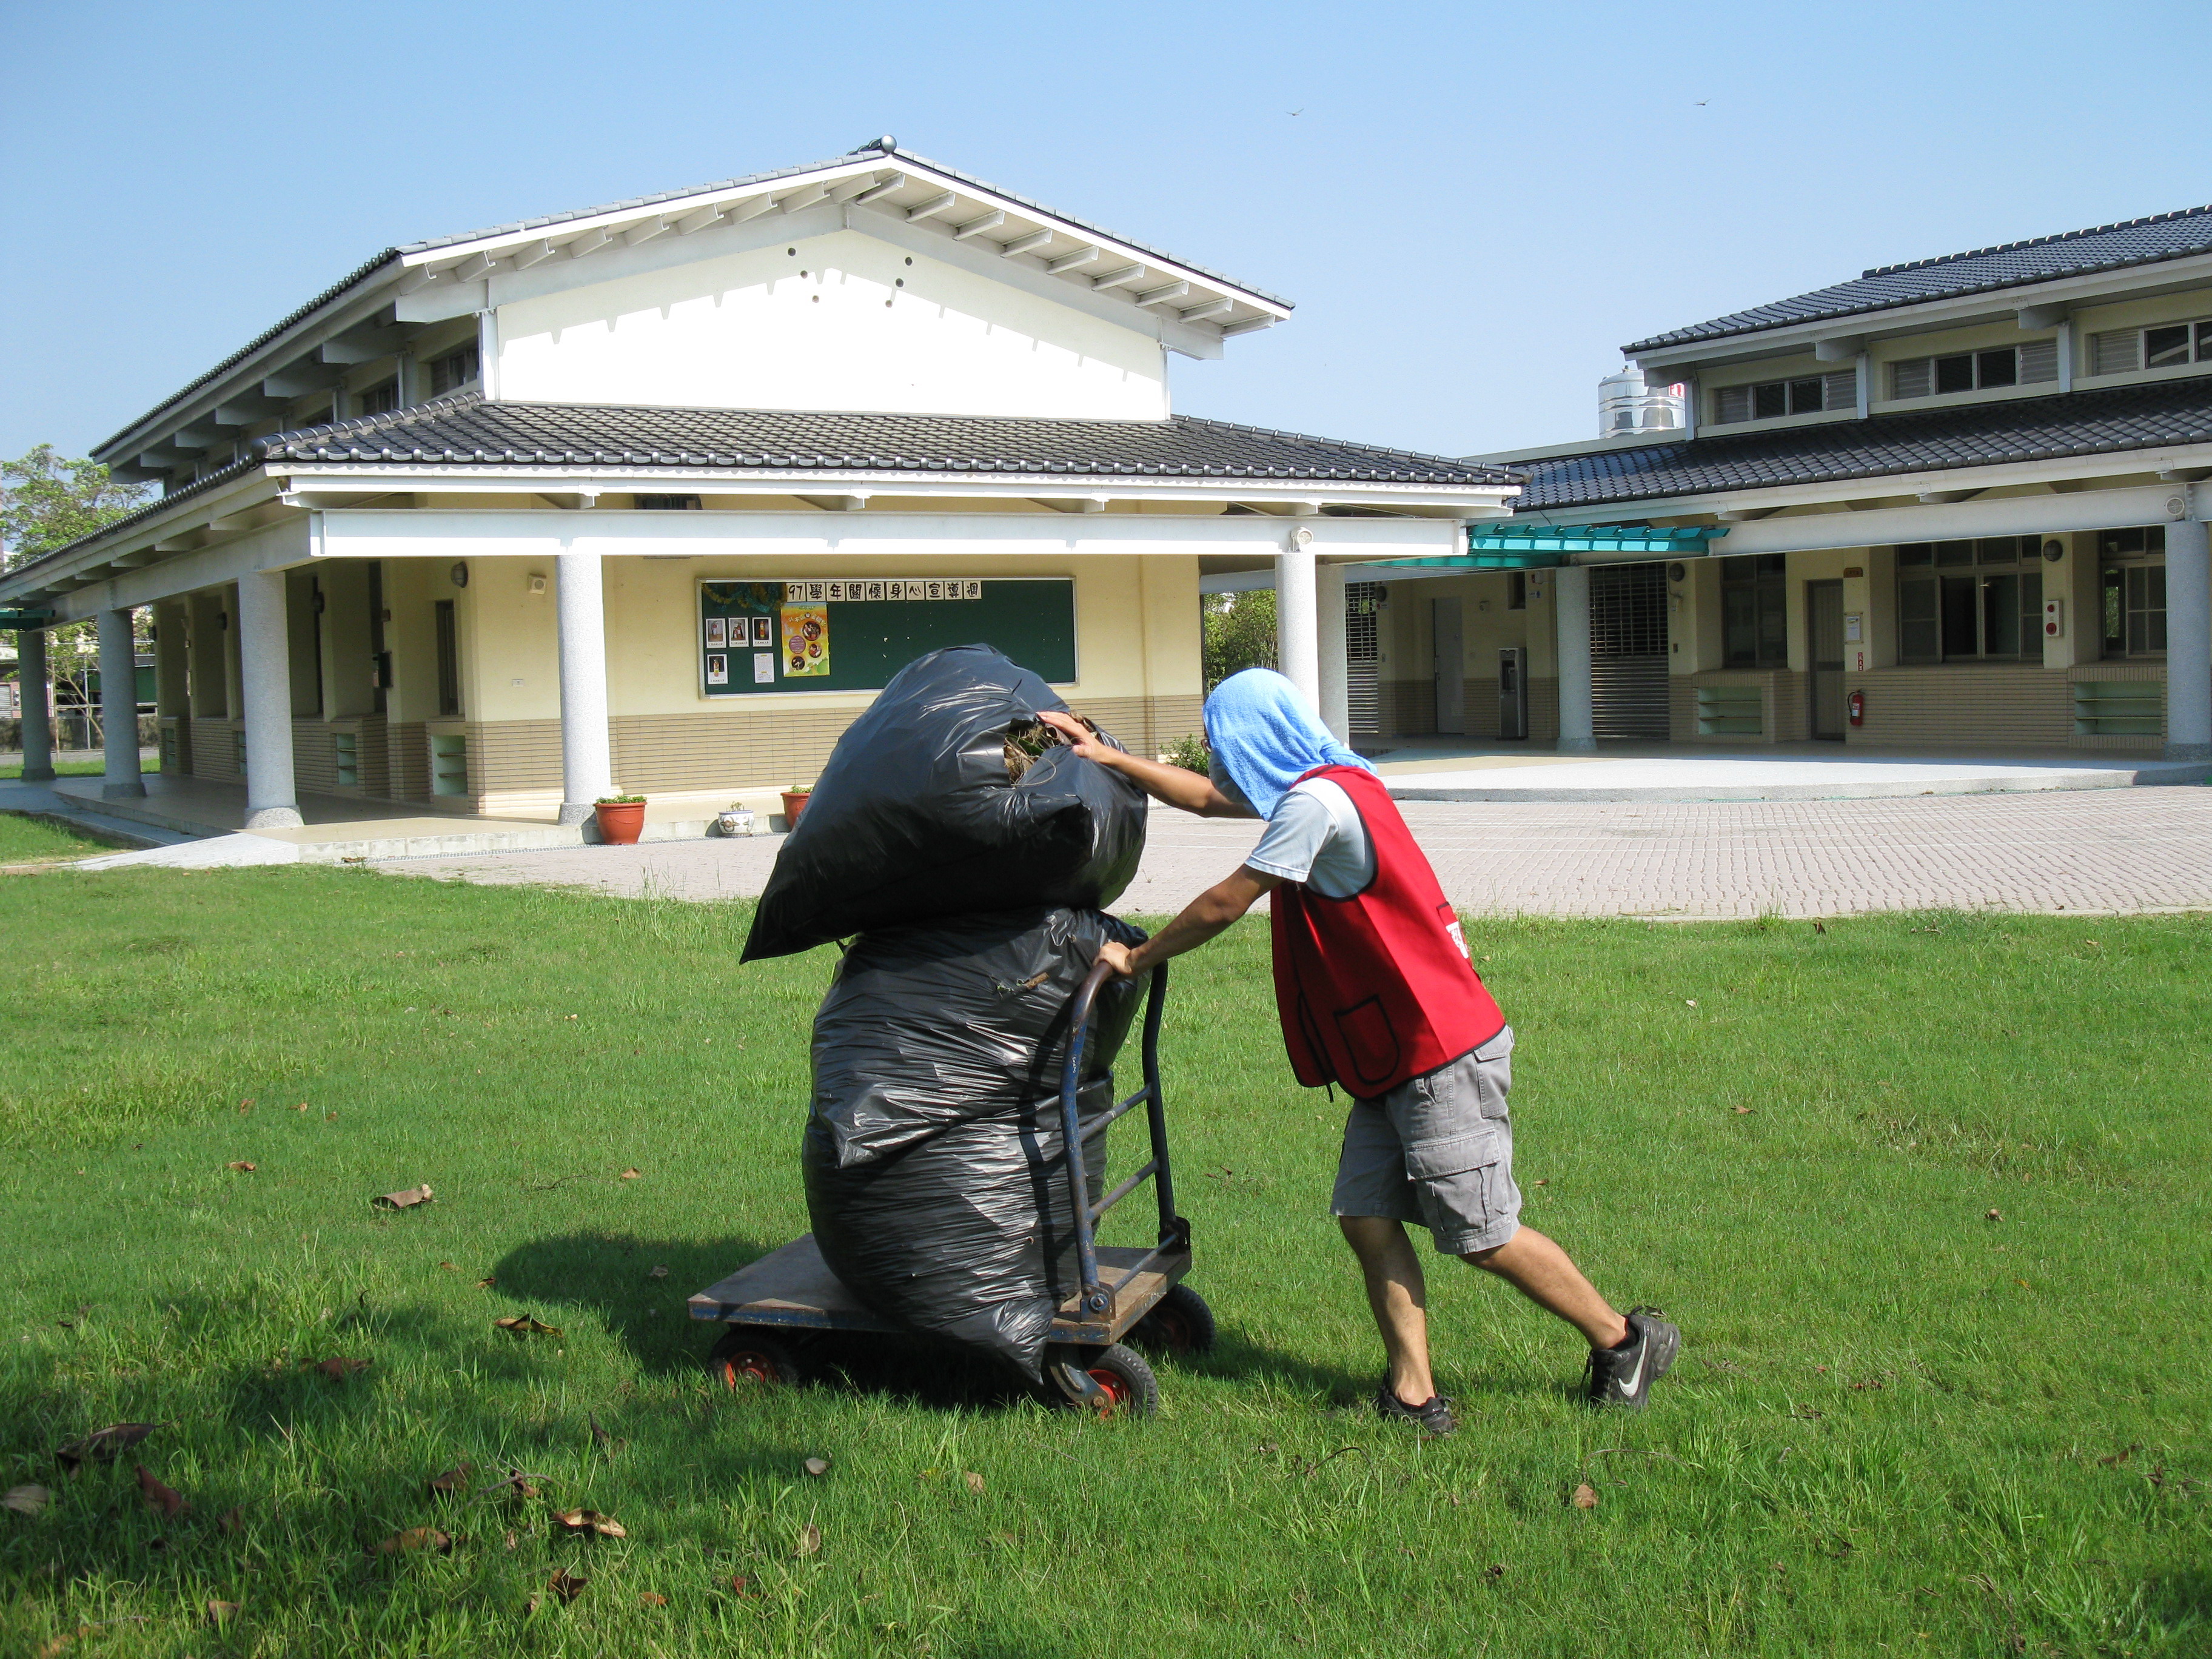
[(621, 817), (794, 803)]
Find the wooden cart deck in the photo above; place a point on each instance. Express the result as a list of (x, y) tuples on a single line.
[(793, 1288)]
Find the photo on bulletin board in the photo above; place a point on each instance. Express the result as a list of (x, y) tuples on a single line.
[(853, 634)]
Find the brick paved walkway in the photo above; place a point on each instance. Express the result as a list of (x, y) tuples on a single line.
[(2086, 852)]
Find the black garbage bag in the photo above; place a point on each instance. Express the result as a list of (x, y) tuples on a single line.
[(935, 1172), (915, 816)]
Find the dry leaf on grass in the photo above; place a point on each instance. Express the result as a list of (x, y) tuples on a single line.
[(301, 1107), (518, 1485), (1584, 1497), (741, 1584), (810, 1540), (651, 1599), (1741, 1111), (1495, 1570), (816, 1467), (1994, 1215), (219, 1611), (452, 1479), (588, 1523), (521, 1325), (241, 1164), (406, 1199), (449, 1267), (567, 1585), (103, 1445), (159, 1497), (486, 1282), (631, 1175), (232, 1521), (243, 1107), (338, 1367), (416, 1538), (975, 1482), (25, 1500), (657, 1272)]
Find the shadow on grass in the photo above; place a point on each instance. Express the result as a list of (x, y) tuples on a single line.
[(608, 1276)]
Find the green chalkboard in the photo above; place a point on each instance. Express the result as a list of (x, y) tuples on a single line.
[(763, 637)]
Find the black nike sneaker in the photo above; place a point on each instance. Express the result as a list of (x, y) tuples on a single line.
[(1623, 1376), (1433, 1417)]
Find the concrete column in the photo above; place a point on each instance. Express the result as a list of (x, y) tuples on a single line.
[(264, 664), (1334, 675), (38, 708), (118, 707), (1570, 585), (2188, 641), (588, 766), (1297, 640)]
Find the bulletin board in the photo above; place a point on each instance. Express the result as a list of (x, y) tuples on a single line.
[(761, 637)]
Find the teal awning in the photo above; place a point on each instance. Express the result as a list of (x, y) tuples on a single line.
[(1505, 545)]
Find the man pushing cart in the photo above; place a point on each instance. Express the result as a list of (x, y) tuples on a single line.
[(1376, 994)]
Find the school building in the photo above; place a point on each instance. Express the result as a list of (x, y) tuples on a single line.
[(1957, 502), (653, 496)]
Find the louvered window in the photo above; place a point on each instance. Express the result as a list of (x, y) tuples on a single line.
[(1974, 371), (2169, 345), (1813, 394)]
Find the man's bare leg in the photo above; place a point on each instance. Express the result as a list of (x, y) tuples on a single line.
[(1399, 1295), (1532, 1265)]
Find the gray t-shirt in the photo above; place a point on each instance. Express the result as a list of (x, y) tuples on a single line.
[(1316, 837)]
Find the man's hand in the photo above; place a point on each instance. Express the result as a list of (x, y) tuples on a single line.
[(1078, 736), (1118, 957)]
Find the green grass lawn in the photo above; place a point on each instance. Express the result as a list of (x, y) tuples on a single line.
[(76, 769), (32, 841), (1898, 1424)]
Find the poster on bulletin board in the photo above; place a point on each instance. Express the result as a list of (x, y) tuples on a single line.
[(853, 633)]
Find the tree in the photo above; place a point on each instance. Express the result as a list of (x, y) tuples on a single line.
[(47, 502), (1240, 633)]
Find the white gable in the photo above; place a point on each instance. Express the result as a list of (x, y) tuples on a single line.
[(845, 320)]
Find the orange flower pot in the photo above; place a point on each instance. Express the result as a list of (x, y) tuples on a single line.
[(794, 803), (619, 823)]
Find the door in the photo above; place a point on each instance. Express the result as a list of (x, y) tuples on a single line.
[(1450, 671), (1824, 608), (1628, 651)]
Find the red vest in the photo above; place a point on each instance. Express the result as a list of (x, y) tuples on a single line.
[(1376, 989)]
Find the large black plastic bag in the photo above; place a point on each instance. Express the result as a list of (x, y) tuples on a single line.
[(914, 817), (934, 1172)]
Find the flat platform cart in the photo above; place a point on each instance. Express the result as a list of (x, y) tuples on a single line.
[(777, 1307)]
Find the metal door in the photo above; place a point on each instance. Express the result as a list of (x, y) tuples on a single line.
[(1450, 671), (1512, 691), (1628, 651), (1824, 606)]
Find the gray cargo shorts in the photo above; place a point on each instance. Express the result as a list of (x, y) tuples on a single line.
[(1439, 1150)]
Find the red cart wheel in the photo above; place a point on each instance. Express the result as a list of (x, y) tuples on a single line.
[(744, 1357), (1126, 1383), (1180, 1324)]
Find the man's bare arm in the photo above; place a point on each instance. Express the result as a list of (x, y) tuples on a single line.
[(1201, 919), (1175, 785)]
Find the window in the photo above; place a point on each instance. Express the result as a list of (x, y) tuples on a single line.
[(449, 660), (455, 368), (1754, 612), (1974, 371), (382, 399), (1769, 399), (2131, 570), (666, 503), (1516, 589), (2169, 345), (1969, 601)]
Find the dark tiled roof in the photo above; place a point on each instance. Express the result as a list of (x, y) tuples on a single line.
[(2106, 248), (1984, 434), (469, 431)]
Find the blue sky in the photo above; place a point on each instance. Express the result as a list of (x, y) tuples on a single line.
[(1473, 205)]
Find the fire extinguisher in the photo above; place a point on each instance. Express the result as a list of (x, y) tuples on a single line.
[(1857, 703)]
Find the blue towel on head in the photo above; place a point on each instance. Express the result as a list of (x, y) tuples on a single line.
[(1267, 737)]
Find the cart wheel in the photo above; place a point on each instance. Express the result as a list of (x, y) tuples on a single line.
[(1125, 1381), (1180, 1324), (744, 1356)]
